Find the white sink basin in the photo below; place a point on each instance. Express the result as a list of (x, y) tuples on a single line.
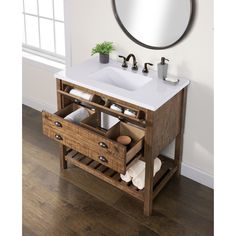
[(120, 78)]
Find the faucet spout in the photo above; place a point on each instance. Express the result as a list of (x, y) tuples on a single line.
[(134, 67)]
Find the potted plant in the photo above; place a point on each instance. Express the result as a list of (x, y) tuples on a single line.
[(103, 49)]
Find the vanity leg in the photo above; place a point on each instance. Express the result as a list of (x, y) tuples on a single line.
[(178, 152), (63, 162), (148, 155), (148, 192), (179, 138), (60, 105)]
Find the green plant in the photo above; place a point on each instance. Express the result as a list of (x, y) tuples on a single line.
[(103, 48)]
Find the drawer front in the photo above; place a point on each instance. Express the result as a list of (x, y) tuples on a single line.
[(86, 149), (85, 141)]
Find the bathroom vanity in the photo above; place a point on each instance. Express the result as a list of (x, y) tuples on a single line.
[(160, 111)]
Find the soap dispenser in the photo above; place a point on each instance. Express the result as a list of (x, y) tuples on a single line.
[(162, 68)]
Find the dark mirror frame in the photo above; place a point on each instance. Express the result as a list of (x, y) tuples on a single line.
[(190, 23)]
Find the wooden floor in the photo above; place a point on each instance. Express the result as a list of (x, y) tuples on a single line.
[(76, 203)]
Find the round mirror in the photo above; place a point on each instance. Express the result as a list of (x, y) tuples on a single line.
[(155, 24)]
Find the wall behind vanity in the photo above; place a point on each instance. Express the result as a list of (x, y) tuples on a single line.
[(89, 22), (93, 21), (39, 85)]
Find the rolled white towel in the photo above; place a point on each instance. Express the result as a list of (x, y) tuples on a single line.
[(79, 93), (139, 181), (78, 115), (134, 170), (127, 178)]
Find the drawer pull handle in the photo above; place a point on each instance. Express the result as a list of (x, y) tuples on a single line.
[(58, 124), (102, 158), (58, 137), (77, 101), (103, 145), (121, 118)]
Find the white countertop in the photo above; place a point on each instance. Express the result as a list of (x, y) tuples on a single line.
[(153, 95)]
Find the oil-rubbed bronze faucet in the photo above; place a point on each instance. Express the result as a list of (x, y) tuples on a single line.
[(145, 69), (134, 67), (124, 64)]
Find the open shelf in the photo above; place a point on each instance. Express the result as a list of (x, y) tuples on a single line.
[(104, 105), (112, 177), (102, 172), (104, 109), (168, 169)]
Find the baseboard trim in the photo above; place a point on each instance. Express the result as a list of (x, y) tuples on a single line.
[(197, 175), (38, 105)]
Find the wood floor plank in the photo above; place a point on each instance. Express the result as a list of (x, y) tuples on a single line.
[(71, 208), (194, 195), (159, 222), (36, 156), (27, 231)]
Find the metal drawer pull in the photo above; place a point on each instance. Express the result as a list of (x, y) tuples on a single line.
[(58, 124), (102, 158), (77, 101), (121, 118), (103, 145), (58, 137)]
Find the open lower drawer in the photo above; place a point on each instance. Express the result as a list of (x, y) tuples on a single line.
[(100, 147)]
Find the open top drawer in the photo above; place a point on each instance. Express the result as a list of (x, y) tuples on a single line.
[(94, 123), (102, 148), (136, 135)]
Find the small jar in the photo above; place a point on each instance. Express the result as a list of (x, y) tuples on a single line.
[(116, 107), (130, 112)]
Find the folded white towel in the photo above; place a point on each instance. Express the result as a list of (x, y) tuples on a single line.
[(86, 96), (78, 115), (134, 170), (139, 181)]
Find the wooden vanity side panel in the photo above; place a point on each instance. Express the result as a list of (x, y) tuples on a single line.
[(179, 139), (167, 120), (163, 126)]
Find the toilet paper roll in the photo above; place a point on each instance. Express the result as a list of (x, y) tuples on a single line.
[(86, 96)]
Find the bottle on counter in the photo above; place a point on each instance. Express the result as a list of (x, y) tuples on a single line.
[(162, 68)]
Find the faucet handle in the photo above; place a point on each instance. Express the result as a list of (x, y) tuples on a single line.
[(145, 69), (124, 64), (135, 66)]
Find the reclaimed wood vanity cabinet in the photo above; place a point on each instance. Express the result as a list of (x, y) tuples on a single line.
[(96, 151)]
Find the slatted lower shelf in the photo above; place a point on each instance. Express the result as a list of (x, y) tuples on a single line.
[(168, 169), (112, 177)]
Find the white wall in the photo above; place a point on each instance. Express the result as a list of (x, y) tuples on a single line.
[(93, 21), (90, 22), (39, 85)]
